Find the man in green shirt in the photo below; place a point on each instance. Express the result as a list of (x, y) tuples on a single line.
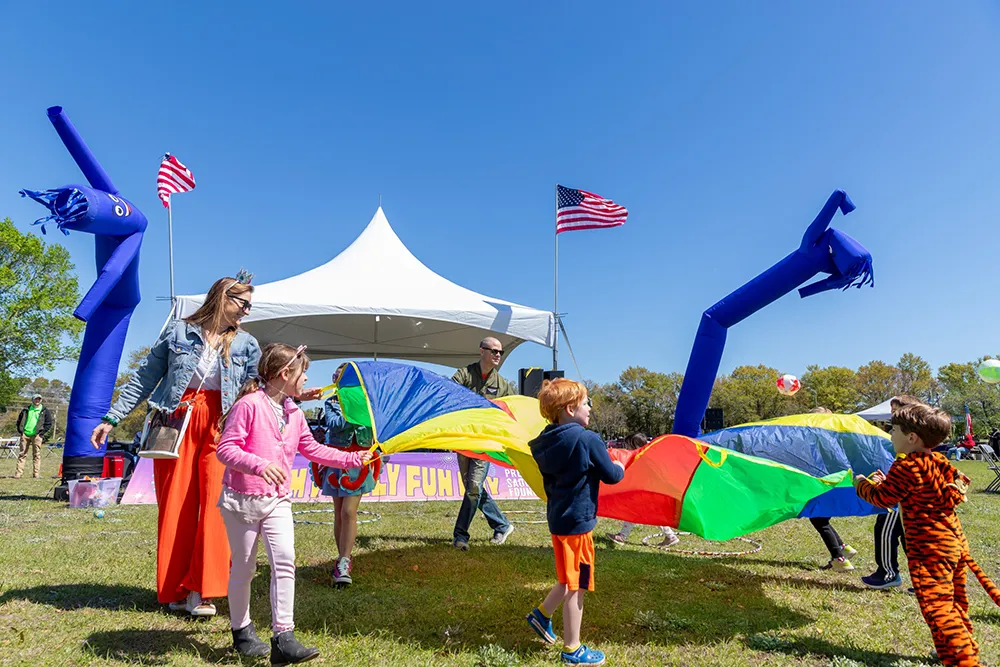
[(481, 377), (35, 425)]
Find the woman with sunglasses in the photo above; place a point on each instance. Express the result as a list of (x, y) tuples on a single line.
[(201, 360)]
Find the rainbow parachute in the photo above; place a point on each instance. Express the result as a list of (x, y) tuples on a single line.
[(707, 490), (819, 444)]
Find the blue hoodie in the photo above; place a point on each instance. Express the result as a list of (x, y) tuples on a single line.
[(573, 462)]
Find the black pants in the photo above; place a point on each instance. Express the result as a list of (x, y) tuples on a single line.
[(830, 537), (888, 537)]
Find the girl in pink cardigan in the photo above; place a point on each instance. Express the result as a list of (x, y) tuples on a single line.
[(262, 433)]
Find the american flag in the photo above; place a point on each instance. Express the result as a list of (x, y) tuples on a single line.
[(579, 209), (173, 177)]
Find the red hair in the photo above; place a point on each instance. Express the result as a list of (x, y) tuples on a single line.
[(557, 395)]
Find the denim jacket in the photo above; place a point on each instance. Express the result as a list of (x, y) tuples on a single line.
[(167, 371)]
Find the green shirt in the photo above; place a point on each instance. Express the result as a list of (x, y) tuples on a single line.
[(31, 420), (492, 386)]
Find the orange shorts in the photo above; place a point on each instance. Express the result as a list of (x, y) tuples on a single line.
[(575, 560)]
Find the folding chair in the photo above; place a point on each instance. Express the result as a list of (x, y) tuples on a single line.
[(993, 463)]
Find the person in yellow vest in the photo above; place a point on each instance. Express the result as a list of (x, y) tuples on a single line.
[(481, 377), (34, 425)]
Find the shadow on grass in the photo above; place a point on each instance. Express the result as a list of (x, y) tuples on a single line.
[(443, 599), (818, 647), (93, 596), (22, 496), (991, 619), (152, 646)]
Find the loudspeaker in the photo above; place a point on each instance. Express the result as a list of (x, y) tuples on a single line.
[(552, 375), (529, 381), (713, 420)]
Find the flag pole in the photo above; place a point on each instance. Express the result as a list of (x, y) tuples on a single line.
[(555, 287), (170, 245)]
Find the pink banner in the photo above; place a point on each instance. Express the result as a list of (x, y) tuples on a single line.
[(406, 477)]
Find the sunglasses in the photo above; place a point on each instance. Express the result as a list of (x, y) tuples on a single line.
[(590, 403), (492, 350), (243, 303)]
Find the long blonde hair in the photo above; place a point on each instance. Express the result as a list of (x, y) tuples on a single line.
[(275, 358), (209, 315)]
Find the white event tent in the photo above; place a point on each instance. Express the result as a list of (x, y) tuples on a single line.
[(877, 413), (375, 299)]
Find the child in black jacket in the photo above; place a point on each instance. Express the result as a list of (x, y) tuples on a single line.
[(573, 462)]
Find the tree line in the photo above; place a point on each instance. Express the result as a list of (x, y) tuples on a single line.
[(644, 400)]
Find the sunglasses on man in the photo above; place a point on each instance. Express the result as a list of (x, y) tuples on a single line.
[(493, 351)]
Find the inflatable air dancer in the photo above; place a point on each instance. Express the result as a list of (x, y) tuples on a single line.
[(822, 250), (117, 226)]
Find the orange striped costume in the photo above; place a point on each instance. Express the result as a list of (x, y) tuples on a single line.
[(929, 488)]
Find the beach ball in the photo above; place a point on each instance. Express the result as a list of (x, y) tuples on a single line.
[(989, 370), (788, 385)]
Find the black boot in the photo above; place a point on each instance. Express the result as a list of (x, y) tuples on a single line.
[(246, 642), (286, 650)]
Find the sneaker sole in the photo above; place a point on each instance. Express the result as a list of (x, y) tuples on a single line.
[(204, 613), (570, 662), (540, 631), (883, 587)]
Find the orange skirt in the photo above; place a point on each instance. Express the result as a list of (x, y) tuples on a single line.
[(192, 551)]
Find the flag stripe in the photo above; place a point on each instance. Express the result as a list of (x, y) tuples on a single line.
[(579, 209), (172, 178)]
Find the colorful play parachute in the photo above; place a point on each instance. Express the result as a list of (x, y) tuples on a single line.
[(709, 491), (819, 444), (674, 480), (410, 408)]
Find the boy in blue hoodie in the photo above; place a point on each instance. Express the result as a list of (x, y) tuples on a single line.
[(573, 462)]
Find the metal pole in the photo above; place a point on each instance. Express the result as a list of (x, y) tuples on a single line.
[(170, 245), (555, 288)]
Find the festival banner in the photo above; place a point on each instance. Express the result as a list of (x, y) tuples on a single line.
[(405, 477)]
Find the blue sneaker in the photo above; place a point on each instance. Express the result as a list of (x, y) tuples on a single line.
[(879, 582), (583, 656), (541, 625)]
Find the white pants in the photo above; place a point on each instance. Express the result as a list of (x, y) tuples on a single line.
[(277, 531)]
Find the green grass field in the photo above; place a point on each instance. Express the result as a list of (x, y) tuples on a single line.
[(77, 590)]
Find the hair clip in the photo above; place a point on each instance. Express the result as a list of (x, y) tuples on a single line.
[(244, 277)]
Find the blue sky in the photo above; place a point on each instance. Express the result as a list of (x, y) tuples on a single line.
[(723, 127)]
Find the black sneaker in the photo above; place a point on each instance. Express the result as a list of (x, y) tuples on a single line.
[(880, 582)]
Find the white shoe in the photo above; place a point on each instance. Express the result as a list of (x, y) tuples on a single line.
[(194, 605)]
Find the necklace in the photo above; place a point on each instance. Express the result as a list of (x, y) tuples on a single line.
[(279, 414)]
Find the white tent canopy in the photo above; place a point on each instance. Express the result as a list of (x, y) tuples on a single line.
[(878, 413), (377, 299)]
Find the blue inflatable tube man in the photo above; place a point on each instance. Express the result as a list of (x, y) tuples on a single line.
[(822, 250), (117, 226)]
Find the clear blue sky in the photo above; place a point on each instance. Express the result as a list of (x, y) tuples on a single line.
[(723, 127)]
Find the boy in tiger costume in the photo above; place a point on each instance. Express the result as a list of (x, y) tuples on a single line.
[(928, 488)]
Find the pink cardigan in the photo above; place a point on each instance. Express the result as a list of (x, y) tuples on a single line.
[(250, 442)]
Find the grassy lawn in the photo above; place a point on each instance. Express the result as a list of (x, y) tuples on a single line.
[(77, 590)]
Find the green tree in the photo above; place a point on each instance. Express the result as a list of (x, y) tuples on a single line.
[(877, 381), (916, 378), (132, 424), (650, 399), (608, 415), (833, 387), (963, 386), (748, 394), (38, 292)]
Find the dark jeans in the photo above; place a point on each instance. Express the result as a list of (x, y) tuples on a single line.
[(888, 536), (830, 537), (473, 472)]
